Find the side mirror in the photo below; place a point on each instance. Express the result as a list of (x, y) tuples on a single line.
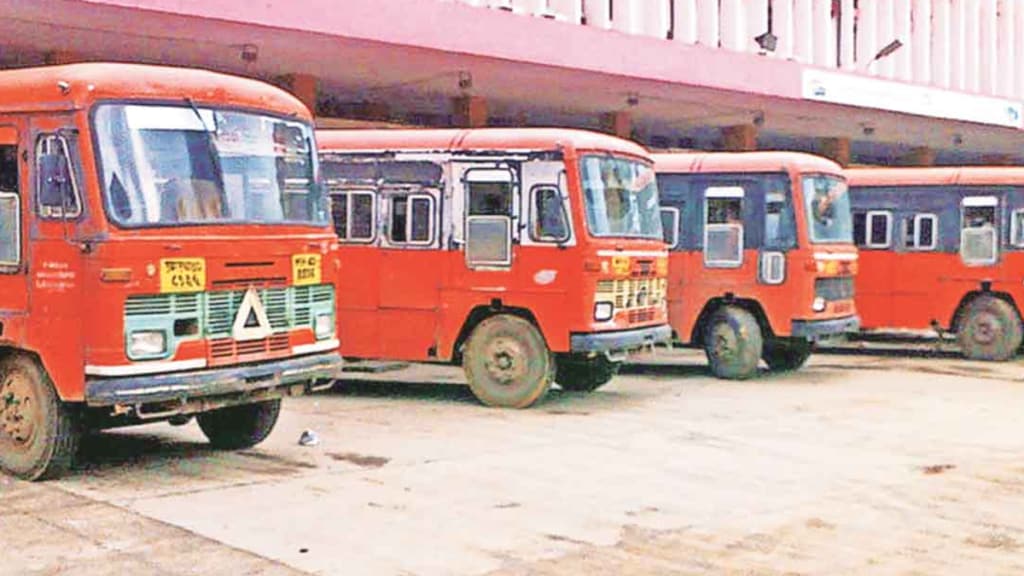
[(54, 183)]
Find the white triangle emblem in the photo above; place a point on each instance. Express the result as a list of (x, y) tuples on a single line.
[(251, 322)]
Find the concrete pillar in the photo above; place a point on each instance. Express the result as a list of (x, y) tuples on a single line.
[(783, 27), (707, 23), (836, 149), (1006, 51), (942, 40), (619, 123), (58, 57), (867, 39), (921, 41), (847, 46), (305, 87), (739, 138), (920, 156), (988, 56), (469, 112), (684, 23), (803, 31)]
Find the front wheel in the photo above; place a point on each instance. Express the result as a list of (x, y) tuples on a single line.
[(990, 329), (733, 343), (39, 434), (784, 355), (582, 374), (507, 362), (238, 427)]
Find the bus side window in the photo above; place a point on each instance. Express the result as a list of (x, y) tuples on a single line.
[(489, 216), (877, 229), (723, 226), (920, 232), (779, 222), (354, 214), (979, 235), (10, 210), (1017, 228), (412, 219), (670, 226), (548, 222), (56, 191)]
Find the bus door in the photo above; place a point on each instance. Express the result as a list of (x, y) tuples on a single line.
[(13, 253), (486, 203), (411, 269), (57, 249), (876, 281), (979, 230)]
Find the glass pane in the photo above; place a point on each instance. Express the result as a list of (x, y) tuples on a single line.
[(926, 232), (723, 244), (549, 217), (339, 214), (421, 220), (978, 245), (908, 232), (399, 215), (827, 205), (879, 230), (860, 229), (490, 199), (621, 197), (9, 241), (979, 216), (488, 241), (1018, 228), (669, 226), (361, 227), (779, 221), (725, 211)]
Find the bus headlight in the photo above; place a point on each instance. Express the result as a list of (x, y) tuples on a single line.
[(147, 344), (818, 305), (324, 326), (603, 311)]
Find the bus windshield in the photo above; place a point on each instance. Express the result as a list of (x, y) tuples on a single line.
[(167, 165), (621, 197), (828, 209)]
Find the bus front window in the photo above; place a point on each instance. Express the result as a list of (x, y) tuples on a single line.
[(828, 210), (169, 165), (621, 198)]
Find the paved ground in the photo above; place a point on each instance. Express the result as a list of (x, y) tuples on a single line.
[(859, 464)]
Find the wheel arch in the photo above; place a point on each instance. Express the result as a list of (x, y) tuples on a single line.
[(983, 290), (714, 304), (483, 312)]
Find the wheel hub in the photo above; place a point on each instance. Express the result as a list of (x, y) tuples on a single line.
[(723, 341), (506, 360), (18, 407), (986, 329)]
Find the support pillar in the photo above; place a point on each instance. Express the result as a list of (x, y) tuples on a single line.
[(618, 123), (305, 87), (739, 138), (469, 112), (836, 149)]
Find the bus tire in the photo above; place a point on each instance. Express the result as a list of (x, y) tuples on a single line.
[(990, 329), (39, 433), (784, 354), (507, 362), (238, 427), (733, 343), (580, 374)]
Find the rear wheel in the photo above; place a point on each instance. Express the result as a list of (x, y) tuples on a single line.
[(783, 355), (733, 343), (990, 329), (507, 362), (38, 432), (582, 374), (238, 427)]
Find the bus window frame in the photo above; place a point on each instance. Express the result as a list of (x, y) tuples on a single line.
[(987, 201), (1017, 228), (724, 193), (869, 229), (11, 267), (917, 219), (408, 198), (374, 213), (484, 175), (48, 212), (676, 215)]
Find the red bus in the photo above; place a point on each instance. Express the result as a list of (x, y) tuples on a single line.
[(164, 253), (530, 256), (942, 249), (761, 256)]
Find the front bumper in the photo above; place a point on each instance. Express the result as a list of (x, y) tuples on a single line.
[(818, 329), (620, 340), (196, 384)]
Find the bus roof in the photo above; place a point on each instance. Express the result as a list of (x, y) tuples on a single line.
[(469, 139), (77, 86), (718, 162), (935, 176)]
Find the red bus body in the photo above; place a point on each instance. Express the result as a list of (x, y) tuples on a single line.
[(421, 302), (74, 282), (916, 271), (809, 294)]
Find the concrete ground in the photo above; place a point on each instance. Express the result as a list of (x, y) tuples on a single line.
[(858, 464)]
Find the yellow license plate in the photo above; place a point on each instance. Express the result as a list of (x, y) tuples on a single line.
[(182, 275), (306, 269)]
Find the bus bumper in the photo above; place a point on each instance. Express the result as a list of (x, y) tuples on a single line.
[(620, 340), (818, 329), (312, 372)]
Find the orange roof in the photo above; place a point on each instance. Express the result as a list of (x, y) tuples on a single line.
[(966, 175), (710, 162), (28, 88), (474, 139)]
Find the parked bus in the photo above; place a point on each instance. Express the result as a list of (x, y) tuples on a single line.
[(530, 256), (164, 252), (943, 249), (761, 258)]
